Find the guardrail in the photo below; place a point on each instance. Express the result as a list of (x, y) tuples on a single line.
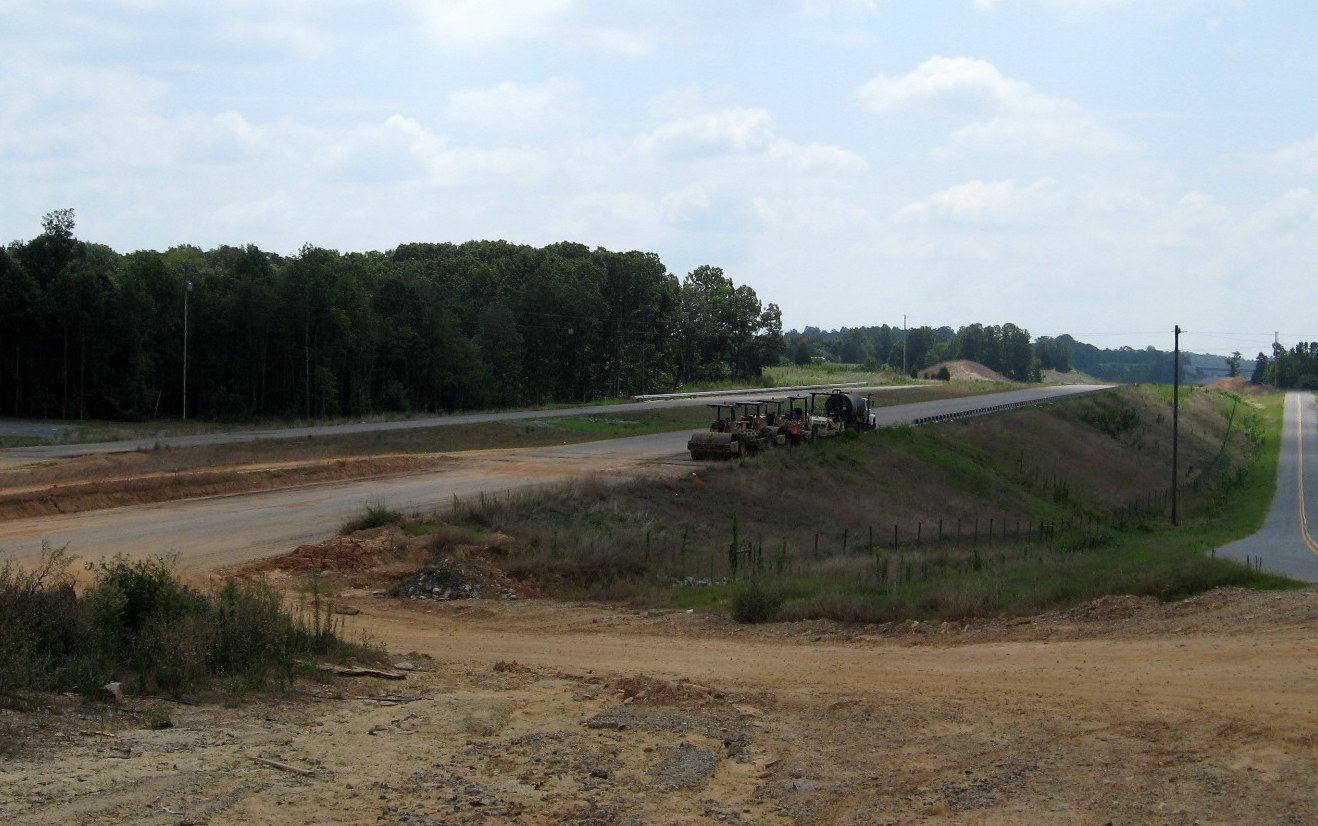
[(749, 390), (996, 408)]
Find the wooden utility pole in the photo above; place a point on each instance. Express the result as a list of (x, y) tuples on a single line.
[(1176, 421)]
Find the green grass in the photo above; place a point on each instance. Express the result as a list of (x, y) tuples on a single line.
[(663, 420), (814, 527)]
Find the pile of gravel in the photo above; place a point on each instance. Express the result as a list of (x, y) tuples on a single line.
[(449, 577)]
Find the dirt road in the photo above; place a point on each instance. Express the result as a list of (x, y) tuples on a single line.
[(225, 531)]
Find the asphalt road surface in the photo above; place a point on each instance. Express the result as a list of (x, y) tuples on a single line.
[(223, 531), (68, 451), (1284, 545)]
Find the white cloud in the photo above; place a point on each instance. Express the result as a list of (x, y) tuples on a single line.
[(1070, 5), (485, 22), (996, 202), (481, 23), (957, 82), (1301, 155), (1007, 115), (729, 130), (306, 41), (514, 106), (823, 8)]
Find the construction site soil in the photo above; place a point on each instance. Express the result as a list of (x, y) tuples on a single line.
[(522, 710)]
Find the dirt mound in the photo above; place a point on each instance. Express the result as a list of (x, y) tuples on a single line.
[(407, 567), (1112, 607), (1073, 377), (1238, 384), (961, 370), (341, 555)]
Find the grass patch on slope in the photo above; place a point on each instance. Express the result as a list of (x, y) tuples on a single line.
[(1016, 513)]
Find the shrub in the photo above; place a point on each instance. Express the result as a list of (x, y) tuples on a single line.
[(138, 622), (755, 603), (373, 516)]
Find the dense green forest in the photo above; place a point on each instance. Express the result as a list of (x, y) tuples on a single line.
[(1293, 369), (86, 331)]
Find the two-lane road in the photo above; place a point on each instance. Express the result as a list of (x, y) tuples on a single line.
[(1285, 544), (224, 531)]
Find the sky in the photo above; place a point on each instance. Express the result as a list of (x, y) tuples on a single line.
[(1108, 169)]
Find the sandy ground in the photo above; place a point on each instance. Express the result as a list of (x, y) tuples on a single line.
[(538, 712)]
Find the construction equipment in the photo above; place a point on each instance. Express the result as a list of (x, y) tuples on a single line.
[(728, 435), (756, 418), (787, 421), (797, 419), (852, 409), (836, 411)]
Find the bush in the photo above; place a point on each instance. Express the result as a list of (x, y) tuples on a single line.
[(41, 628), (755, 603), (138, 623), (373, 516)]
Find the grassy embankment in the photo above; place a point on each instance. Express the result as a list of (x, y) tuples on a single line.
[(1010, 514)]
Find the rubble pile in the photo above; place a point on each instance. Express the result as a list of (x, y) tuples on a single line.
[(450, 577)]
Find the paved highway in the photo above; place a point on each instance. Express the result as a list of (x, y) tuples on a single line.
[(223, 531), (1284, 544), (42, 453)]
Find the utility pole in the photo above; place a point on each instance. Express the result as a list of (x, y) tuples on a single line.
[(904, 340), (1176, 420), (186, 292)]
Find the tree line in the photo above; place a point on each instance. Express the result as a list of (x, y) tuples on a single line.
[(87, 331), (1007, 348), (1293, 369)]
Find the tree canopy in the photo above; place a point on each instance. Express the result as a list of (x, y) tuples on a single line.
[(425, 327)]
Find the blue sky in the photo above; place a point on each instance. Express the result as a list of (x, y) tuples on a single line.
[(1105, 168)]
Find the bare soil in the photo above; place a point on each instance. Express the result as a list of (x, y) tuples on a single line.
[(962, 370), (531, 711), (111, 483)]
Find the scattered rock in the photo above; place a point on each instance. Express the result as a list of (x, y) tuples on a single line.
[(686, 767), (112, 692)]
